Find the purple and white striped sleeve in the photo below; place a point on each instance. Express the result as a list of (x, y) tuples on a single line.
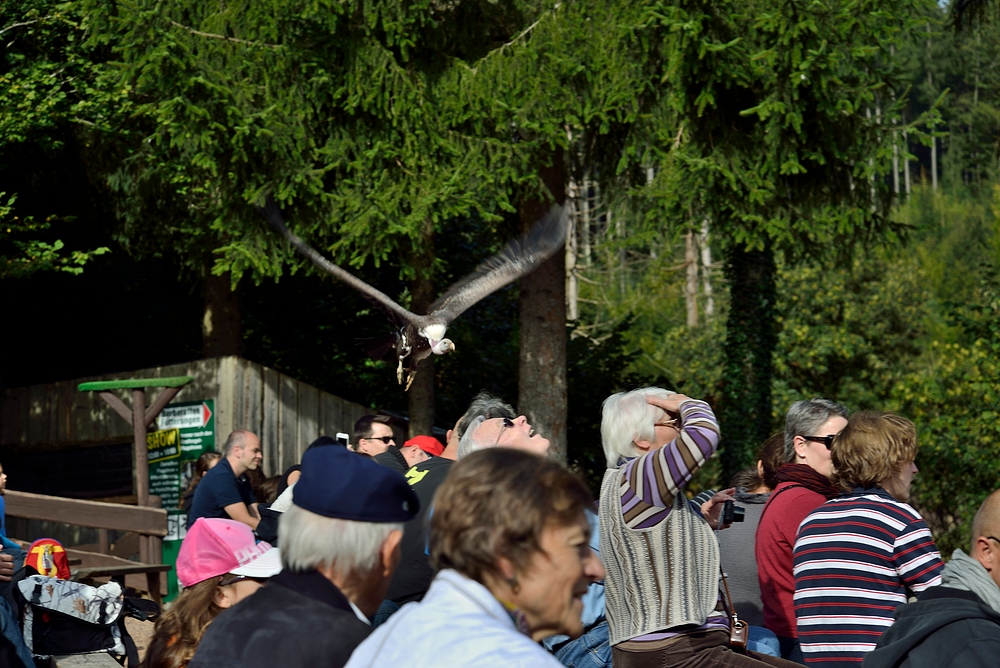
[(656, 478)]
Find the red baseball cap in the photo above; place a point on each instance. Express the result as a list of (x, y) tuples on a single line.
[(428, 444)]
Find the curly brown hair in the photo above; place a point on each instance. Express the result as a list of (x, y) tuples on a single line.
[(179, 630), (495, 503)]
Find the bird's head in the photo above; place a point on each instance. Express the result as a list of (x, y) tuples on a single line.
[(443, 346)]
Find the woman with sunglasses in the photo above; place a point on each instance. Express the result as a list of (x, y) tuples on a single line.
[(220, 563), (803, 486)]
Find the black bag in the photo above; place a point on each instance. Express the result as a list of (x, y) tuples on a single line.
[(267, 529), (62, 617)]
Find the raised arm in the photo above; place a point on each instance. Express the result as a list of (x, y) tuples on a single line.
[(658, 477)]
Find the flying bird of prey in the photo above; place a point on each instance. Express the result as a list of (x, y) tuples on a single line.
[(418, 336)]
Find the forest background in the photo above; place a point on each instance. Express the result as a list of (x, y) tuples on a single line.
[(773, 200)]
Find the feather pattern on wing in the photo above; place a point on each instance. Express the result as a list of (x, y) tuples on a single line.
[(273, 215), (519, 258)]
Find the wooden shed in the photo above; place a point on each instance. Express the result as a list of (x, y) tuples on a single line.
[(286, 413)]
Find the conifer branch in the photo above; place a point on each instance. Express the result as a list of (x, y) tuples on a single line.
[(210, 35)]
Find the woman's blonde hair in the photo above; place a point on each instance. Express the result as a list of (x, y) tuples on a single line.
[(871, 449), (179, 630)]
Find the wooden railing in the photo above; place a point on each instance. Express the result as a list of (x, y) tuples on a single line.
[(93, 514)]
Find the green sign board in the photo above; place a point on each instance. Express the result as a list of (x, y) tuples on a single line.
[(184, 432)]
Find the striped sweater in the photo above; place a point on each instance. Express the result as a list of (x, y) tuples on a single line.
[(855, 559)]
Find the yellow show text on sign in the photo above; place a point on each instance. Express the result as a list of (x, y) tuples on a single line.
[(163, 445)]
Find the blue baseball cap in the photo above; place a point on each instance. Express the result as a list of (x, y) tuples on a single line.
[(339, 483)]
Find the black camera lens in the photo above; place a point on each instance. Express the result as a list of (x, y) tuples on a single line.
[(732, 513)]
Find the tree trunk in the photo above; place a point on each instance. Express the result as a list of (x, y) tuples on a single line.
[(421, 394), (572, 282), (691, 284), (706, 270), (745, 411), (541, 384), (906, 161), (221, 331)]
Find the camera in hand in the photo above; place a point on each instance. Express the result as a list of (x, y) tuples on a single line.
[(732, 513)]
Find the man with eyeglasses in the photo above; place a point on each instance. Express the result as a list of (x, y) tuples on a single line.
[(373, 434), (860, 555), (958, 623), (810, 428)]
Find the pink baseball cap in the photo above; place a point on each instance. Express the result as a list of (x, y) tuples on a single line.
[(428, 444), (214, 547)]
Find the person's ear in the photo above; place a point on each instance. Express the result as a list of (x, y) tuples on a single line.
[(642, 444), (985, 554), (799, 444), (760, 468), (506, 569), (390, 552), (224, 597)]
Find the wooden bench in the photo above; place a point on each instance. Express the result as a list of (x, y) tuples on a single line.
[(96, 660), (118, 573)]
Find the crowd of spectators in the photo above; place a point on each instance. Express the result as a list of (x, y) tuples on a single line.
[(483, 551)]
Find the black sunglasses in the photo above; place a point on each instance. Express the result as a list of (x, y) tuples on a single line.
[(825, 440), (384, 439)]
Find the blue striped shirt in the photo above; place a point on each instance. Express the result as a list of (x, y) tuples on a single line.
[(855, 559)]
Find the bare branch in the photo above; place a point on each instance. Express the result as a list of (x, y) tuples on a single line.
[(234, 40), (22, 24)]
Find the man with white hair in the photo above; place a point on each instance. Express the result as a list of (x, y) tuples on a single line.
[(495, 432), (339, 547)]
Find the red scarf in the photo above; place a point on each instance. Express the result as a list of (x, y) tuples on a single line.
[(809, 478)]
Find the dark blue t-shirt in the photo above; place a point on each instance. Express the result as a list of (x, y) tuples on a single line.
[(219, 488)]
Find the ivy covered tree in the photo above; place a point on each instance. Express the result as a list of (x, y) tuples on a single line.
[(766, 123)]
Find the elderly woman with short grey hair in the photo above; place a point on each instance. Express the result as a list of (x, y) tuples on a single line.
[(662, 559), (803, 485)]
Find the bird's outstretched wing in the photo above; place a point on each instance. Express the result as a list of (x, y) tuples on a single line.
[(519, 258), (271, 212)]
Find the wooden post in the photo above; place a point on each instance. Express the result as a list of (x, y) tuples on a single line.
[(150, 547), (141, 465)]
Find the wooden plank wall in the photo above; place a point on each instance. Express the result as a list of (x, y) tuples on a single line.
[(287, 414)]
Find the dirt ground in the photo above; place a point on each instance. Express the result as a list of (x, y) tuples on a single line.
[(141, 633)]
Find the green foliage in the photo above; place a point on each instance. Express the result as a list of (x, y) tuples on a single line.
[(953, 400), (46, 88), (849, 333), (22, 253)]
